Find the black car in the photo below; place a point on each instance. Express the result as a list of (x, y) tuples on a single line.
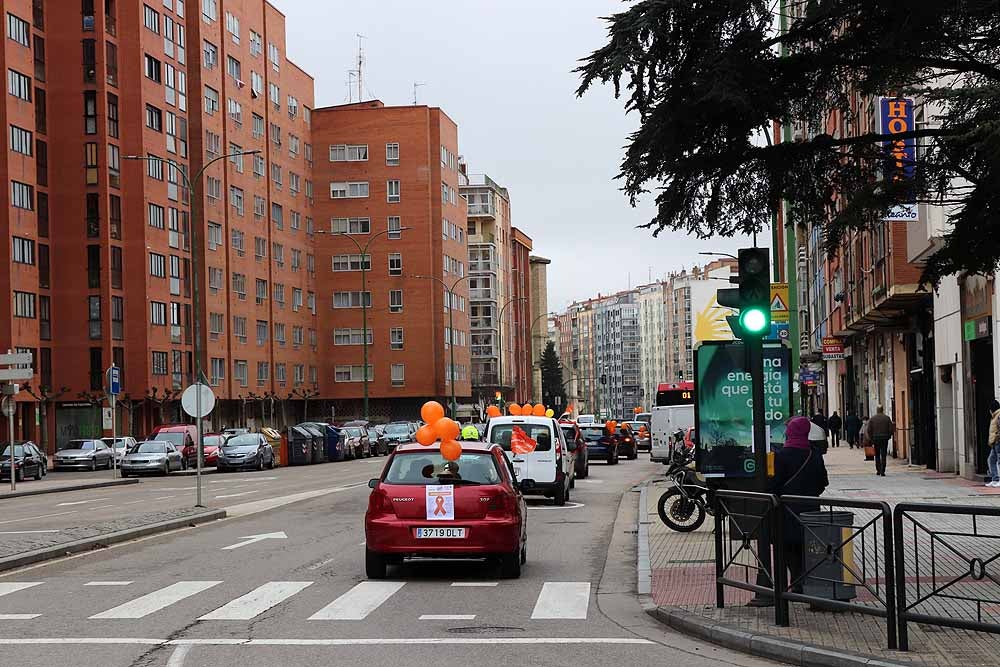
[(30, 461), (399, 433), (627, 445), (356, 441)]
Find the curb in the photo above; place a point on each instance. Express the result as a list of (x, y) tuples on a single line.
[(106, 540), (74, 487), (761, 645)]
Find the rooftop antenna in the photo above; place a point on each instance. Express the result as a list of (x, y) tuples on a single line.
[(361, 64), (416, 84)]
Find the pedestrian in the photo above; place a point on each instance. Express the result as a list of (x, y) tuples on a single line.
[(835, 423), (820, 420), (817, 438), (993, 444), (798, 471), (852, 425), (880, 431)]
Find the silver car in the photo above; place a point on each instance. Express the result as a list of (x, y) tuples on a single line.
[(157, 456), (84, 455), (121, 445)]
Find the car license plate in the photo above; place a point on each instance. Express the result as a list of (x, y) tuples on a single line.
[(445, 533)]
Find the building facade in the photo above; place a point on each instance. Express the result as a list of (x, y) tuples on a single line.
[(542, 322), (522, 320), (652, 302)]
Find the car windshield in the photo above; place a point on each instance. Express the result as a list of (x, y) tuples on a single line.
[(18, 451), (177, 439), (82, 444), (112, 442), (586, 419), (501, 435), (151, 448), (245, 440), (592, 434), (421, 468), (353, 431), (397, 429), (635, 426), (213, 440)]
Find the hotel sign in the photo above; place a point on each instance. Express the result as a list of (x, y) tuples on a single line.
[(897, 118)]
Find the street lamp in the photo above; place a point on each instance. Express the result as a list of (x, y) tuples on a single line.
[(451, 327), (190, 183), (364, 289), (500, 338)]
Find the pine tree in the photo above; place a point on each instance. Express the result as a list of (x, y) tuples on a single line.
[(552, 378)]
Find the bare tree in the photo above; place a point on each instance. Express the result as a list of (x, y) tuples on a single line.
[(304, 394), (162, 399), (44, 395)]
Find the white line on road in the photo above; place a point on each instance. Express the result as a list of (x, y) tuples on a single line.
[(475, 584), (447, 617), (237, 495), (562, 599), (81, 502), (253, 539), (9, 587), (323, 562), (179, 655), (26, 532), (157, 600), (394, 641), (107, 583), (164, 498), (357, 603), (18, 617), (134, 502), (40, 516), (257, 506), (257, 601)]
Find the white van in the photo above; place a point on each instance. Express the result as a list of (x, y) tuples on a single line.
[(547, 471), (664, 422)]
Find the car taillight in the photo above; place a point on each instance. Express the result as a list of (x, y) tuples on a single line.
[(379, 503)]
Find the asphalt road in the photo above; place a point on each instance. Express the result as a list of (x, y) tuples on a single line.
[(184, 599)]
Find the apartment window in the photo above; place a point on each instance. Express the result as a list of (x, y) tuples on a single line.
[(294, 145), (236, 199), (233, 26), (90, 163), (352, 373), (274, 92), (210, 10), (351, 225), (278, 215), (159, 363), (158, 313), (240, 286), (276, 175), (273, 55), (308, 153), (294, 220), (23, 250), (392, 155), (151, 18), (398, 375), (236, 157), (261, 332), (240, 372), (19, 85), (238, 239), (156, 217), (296, 299), (275, 134), (114, 166), (44, 317), (349, 190), (261, 287), (395, 301), (117, 266), (154, 118), (93, 266), (293, 107), (352, 299), (154, 168), (21, 140), (279, 334), (24, 305), (112, 115), (213, 187), (396, 338), (153, 68), (41, 113), (218, 372), (117, 318), (213, 144), (90, 112), (263, 372), (89, 61), (348, 153), (214, 279), (258, 128), (313, 374), (44, 266), (210, 54), (296, 260), (256, 44), (240, 329), (395, 264), (234, 68), (294, 183), (157, 265), (22, 195), (259, 247), (351, 337), (278, 253), (111, 60), (258, 166), (211, 100), (352, 262), (235, 110), (280, 373), (279, 294), (18, 30)]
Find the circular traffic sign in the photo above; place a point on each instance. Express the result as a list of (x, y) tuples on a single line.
[(7, 406), (189, 400)]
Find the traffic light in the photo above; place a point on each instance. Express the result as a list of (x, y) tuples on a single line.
[(753, 296)]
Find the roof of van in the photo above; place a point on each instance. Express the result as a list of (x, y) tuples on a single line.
[(520, 419)]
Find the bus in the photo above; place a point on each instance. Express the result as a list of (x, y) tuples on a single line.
[(675, 393)]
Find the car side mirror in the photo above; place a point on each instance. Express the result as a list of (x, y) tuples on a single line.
[(372, 483)]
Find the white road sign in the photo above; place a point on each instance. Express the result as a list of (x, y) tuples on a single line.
[(189, 400)]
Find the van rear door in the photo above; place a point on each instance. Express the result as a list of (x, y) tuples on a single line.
[(539, 465)]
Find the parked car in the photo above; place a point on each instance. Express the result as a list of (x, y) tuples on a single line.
[(640, 431), (379, 440), (489, 519), (84, 455), (399, 433), (586, 419), (120, 445), (601, 445), (572, 433), (182, 436), (356, 441), (628, 446), (548, 469), (28, 460), (210, 444), (157, 456), (230, 432), (250, 450)]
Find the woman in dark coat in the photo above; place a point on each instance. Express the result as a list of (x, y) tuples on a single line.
[(798, 471)]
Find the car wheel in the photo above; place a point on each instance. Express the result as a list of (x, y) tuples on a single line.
[(524, 553), (572, 482), (510, 565), (93, 465), (184, 464), (19, 475), (38, 472), (560, 496), (375, 565), (635, 454), (270, 464), (260, 463), (166, 469)]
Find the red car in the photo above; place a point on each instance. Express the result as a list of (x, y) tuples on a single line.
[(211, 442), (484, 517)]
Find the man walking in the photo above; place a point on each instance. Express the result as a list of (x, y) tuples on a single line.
[(879, 430), (835, 423), (852, 426)]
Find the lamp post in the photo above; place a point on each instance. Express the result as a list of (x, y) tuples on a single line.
[(500, 338), (364, 302), (451, 327), (190, 184)]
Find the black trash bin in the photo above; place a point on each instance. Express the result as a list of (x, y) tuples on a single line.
[(299, 446), (828, 577), (318, 454)]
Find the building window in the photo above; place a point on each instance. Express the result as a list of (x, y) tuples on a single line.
[(157, 265), (210, 10), (351, 225), (151, 19), (211, 100), (395, 227), (239, 281), (274, 92), (22, 195), (352, 373), (112, 115), (24, 304), (352, 262), (392, 155), (158, 313), (398, 375), (210, 54), (351, 337), (21, 141), (153, 68), (24, 250), (258, 126), (396, 338), (233, 26), (263, 372), (154, 118), (19, 85), (236, 199), (273, 55), (392, 192), (395, 301), (240, 329), (18, 30), (256, 43), (352, 299), (159, 363), (240, 372), (349, 190), (395, 264), (348, 153), (218, 371)]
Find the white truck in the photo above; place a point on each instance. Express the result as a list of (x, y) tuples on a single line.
[(664, 422)]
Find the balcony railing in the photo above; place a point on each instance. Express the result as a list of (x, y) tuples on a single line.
[(483, 267), (483, 209)]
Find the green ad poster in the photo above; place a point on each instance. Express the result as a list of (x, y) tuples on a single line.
[(724, 406)]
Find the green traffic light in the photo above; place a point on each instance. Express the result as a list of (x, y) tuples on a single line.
[(754, 320)]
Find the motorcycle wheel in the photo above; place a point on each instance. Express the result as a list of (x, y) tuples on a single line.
[(679, 513)]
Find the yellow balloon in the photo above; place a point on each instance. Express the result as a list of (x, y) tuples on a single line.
[(550, 413)]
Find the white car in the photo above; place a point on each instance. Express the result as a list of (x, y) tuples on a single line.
[(122, 446), (546, 471)]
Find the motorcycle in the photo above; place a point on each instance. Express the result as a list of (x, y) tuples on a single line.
[(683, 506)]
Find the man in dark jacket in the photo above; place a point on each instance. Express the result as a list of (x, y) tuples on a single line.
[(852, 426), (835, 423), (820, 420), (880, 431), (798, 471)]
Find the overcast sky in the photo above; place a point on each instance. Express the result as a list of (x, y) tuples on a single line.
[(503, 71)]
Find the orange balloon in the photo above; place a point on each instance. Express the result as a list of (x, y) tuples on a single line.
[(514, 409), (539, 410), (431, 412), (493, 411), (451, 450), (446, 429), (425, 435)]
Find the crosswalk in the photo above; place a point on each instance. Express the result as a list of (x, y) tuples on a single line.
[(555, 600)]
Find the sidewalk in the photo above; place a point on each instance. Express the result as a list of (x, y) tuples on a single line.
[(60, 482), (683, 573)]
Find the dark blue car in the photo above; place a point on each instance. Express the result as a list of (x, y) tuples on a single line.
[(601, 445)]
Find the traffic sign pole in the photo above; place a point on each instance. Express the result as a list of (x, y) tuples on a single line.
[(114, 388), (198, 401)]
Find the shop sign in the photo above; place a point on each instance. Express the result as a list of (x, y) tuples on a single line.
[(833, 349), (897, 118)]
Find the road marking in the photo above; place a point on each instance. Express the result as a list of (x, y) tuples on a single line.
[(134, 502), (357, 603), (475, 584), (14, 586), (589, 481), (179, 655), (252, 539), (164, 498), (395, 641), (567, 506), (237, 495), (107, 583), (447, 617), (257, 601), (18, 617), (27, 532), (81, 502), (363, 543), (41, 516), (157, 600), (323, 562), (257, 506), (562, 599)]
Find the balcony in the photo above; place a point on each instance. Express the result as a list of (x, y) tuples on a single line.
[(483, 210), (483, 267), (482, 294)]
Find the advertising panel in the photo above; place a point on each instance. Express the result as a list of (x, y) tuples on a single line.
[(897, 117)]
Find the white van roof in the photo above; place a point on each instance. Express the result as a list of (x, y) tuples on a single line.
[(517, 419)]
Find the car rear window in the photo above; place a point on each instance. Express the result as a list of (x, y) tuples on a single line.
[(176, 439), (542, 434), (422, 468), (592, 434)]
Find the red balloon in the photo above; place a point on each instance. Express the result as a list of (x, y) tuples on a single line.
[(514, 409), (426, 436), (446, 429), (539, 410), (451, 450), (493, 411), (431, 412)]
